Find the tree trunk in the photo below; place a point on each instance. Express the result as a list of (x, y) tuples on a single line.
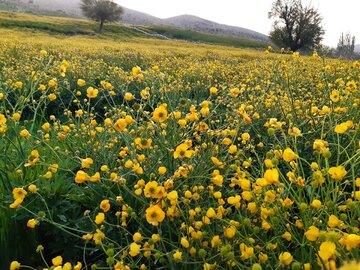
[(101, 26)]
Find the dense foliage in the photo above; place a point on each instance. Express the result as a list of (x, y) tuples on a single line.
[(296, 25), (101, 11)]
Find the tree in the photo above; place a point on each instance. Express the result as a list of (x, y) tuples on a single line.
[(101, 11), (296, 26), (346, 46)]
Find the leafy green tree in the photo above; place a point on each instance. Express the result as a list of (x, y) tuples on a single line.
[(101, 11), (296, 26)]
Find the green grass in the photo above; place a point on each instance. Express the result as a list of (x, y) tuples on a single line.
[(65, 26), (194, 36), (74, 26)]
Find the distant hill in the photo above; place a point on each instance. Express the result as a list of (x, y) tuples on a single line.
[(201, 25), (185, 22), (357, 48)]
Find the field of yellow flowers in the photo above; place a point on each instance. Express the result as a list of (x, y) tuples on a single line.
[(147, 154)]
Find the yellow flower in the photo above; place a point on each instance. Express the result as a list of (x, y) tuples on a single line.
[(54, 168), (48, 175), (316, 203), (217, 179), (327, 250), (108, 122), (105, 205), (335, 96), (272, 176), (86, 163), (32, 223), (145, 93), (177, 255), (350, 266), (262, 257), (78, 266), (128, 96), (120, 124), (217, 162), (341, 128), (233, 200), (18, 84), (134, 249), (66, 266), (81, 82), (151, 189), (285, 258), (43, 53), (19, 193), (135, 71), (99, 219), (155, 237), (213, 91), (312, 233), (91, 92), (162, 170), (98, 236), (15, 265), (182, 151), (154, 215), (172, 196), (46, 126), (143, 143), (246, 252), (230, 232), (58, 260), (95, 178), (2, 119), (321, 146), (337, 173), (232, 149), (289, 155), (42, 87), (52, 97), (81, 177), (184, 242), (16, 203), (210, 213), (25, 134), (287, 236), (16, 116), (160, 114), (32, 188), (137, 237), (333, 221), (351, 241), (215, 241)]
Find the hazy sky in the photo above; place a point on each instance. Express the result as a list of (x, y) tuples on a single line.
[(339, 16)]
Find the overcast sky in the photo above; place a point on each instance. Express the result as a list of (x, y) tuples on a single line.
[(339, 16)]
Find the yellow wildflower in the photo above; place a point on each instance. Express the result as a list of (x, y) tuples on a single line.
[(285, 258), (327, 250), (160, 114), (134, 249), (154, 215), (337, 173)]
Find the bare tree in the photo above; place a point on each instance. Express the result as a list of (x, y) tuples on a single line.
[(101, 11), (346, 46), (296, 26)]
